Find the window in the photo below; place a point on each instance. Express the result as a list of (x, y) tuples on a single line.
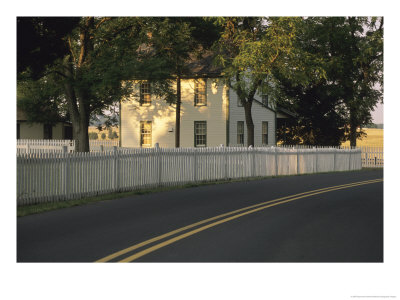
[(68, 133), (200, 133), (240, 132), (200, 95), (47, 131), (145, 134), (264, 99), (145, 96), (264, 133), (239, 102)]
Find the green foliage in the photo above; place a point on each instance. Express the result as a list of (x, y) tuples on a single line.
[(253, 46), (172, 43), (249, 49), (103, 136), (93, 136), (331, 107), (81, 62), (84, 76), (41, 100), (112, 134)]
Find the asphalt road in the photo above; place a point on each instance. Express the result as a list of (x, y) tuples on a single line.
[(344, 224)]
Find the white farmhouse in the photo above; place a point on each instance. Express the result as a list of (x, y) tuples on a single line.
[(211, 115)]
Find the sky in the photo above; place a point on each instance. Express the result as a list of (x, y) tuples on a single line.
[(377, 114)]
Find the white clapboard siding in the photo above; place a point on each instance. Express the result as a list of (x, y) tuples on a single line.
[(43, 177)]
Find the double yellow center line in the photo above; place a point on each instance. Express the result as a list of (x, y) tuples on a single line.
[(223, 218)]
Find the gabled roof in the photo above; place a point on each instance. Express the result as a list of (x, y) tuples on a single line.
[(278, 109), (198, 65), (203, 66), (263, 105), (286, 112)]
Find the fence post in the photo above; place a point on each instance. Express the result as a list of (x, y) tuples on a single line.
[(28, 148), (115, 169), (225, 155), (71, 146), (360, 159), (65, 172), (194, 164), (276, 162), (159, 163), (253, 161), (297, 161), (334, 159), (349, 159)]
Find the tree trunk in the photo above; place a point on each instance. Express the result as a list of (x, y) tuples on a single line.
[(247, 108), (353, 128), (178, 112), (81, 136), (80, 127), (249, 122), (79, 116)]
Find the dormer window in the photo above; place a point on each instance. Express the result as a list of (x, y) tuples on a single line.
[(145, 95), (200, 92)]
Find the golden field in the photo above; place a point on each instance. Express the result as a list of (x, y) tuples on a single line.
[(374, 138), (96, 130)]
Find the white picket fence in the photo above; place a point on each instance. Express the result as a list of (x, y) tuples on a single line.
[(99, 145), (44, 146), (50, 146), (371, 157), (46, 177)]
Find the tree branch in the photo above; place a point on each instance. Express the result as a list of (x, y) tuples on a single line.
[(102, 21), (70, 48), (84, 39)]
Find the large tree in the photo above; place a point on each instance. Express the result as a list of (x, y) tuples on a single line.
[(248, 50), (360, 54), (320, 114), (319, 120), (90, 58), (332, 107)]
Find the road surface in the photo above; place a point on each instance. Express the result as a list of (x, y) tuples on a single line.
[(336, 217)]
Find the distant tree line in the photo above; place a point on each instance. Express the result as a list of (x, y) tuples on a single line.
[(372, 125), (110, 134)]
